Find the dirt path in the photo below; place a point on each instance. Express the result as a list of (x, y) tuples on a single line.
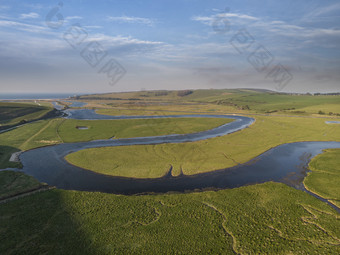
[(38, 133)]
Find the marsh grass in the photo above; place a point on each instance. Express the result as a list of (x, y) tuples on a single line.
[(105, 129), (54, 131), (152, 161), (12, 183), (269, 218), (324, 178)]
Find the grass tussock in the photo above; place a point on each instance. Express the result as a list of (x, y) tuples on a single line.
[(269, 218), (324, 178)]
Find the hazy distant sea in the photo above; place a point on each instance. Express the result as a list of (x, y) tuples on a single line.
[(13, 96)]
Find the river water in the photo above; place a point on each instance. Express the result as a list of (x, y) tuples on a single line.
[(286, 163)]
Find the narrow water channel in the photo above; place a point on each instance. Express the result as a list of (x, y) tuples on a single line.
[(286, 163)]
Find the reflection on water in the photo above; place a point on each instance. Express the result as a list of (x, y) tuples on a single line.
[(286, 163), (57, 106), (76, 104)]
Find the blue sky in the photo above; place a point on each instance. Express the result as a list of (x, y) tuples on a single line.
[(170, 45)]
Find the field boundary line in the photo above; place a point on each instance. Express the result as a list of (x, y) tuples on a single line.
[(25, 193), (57, 129), (38, 133)]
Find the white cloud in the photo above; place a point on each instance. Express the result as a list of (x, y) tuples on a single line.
[(285, 29), (92, 27), (122, 40), (203, 18), (207, 20), (237, 15), (31, 15), (127, 19), (68, 18), (23, 26), (30, 45), (323, 11)]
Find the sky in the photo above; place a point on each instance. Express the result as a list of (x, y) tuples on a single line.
[(83, 46)]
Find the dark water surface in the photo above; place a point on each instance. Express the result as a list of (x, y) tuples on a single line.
[(57, 106), (286, 163), (76, 104)]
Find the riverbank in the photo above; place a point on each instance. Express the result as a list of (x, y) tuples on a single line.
[(192, 158), (324, 178)]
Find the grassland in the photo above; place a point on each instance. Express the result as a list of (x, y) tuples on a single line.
[(105, 129), (151, 161), (54, 131), (5, 155), (222, 101), (324, 178), (149, 111), (270, 218), (174, 109), (12, 183), (169, 102), (21, 138), (12, 114)]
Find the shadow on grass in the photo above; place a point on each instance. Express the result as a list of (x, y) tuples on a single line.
[(42, 224), (268, 218), (5, 155), (70, 222)]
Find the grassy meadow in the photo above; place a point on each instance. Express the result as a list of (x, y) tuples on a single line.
[(152, 161), (12, 114), (324, 178), (269, 218), (13, 183), (105, 129), (54, 131), (219, 101)]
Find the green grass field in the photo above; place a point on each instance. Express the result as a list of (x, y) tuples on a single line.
[(5, 155), (280, 103), (105, 129), (12, 183), (54, 131), (172, 109), (227, 100), (324, 178), (12, 114), (19, 113), (152, 161), (270, 218)]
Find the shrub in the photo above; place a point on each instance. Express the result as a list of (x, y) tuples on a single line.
[(183, 93)]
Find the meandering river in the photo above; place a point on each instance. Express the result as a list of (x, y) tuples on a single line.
[(286, 163)]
